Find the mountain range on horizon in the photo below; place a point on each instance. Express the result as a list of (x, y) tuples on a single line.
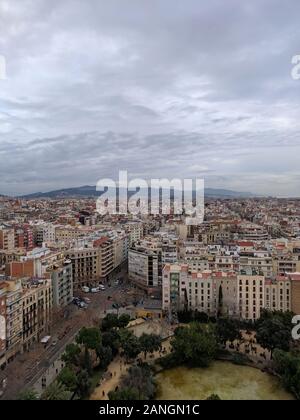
[(90, 191)]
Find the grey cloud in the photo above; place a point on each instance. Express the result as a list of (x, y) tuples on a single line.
[(163, 87)]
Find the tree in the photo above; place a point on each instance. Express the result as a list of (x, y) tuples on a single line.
[(287, 365), (227, 330), (71, 355), (111, 339), (195, 345), (83, 384), (56, 392), (130, 344), (213, 397), (90, 338), (109, 322), (112, 321), (87, 362), (123, 321), (274, 331), (68, 378), (28, 395), (220, 302), (141, 380), (125, 394), (105, 355), (149, 343)]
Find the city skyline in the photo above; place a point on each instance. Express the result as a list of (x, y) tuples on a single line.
[(165, 88)]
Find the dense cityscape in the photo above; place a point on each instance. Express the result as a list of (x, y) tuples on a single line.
[(149, 204), (65, 268)]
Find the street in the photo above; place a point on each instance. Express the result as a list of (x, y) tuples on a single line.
[(27, 368)]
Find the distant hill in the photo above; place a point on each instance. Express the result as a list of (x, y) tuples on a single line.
[(90, 191)]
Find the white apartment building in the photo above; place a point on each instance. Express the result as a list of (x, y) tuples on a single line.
[(144, 268)]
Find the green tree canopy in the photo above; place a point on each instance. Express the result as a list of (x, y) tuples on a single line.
[(287, 365), (90, 338), (125, 394), (68, 378), (195, 345), (130, 344), (149, 343), (71, 355), (274, 330), (83, 384), (28, 395), (227, 330), (214, 397), (56, 392)]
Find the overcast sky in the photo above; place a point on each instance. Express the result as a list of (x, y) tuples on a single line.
[(167, 88)]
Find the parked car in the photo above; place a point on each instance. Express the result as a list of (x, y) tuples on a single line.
[(86, 300), (85, 289)]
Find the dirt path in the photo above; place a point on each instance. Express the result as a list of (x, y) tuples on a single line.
[(118, 368)]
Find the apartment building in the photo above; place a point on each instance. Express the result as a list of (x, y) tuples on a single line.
[(256, 262), (278, 294), (62, 283), (7, 257), (106, 257), (287, 263), (7, 238), (120, 248), (25, 314), (227, 293), (145, 269), (251, 296), (295, 292), (2, 321), (85, 266), (11, 293), (37, 302), (24, 237), (209, 292), (65, 234), (252, 232), (135, 231)]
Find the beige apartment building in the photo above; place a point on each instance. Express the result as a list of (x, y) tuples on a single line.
[(37, 303), (7, 239), (260, 263), (85, 266), (11, 294), (202, 291), (70, 234), (95, 262), (286, 264), (25, 315), (241, 296), (295, 292), (278, 294), (251, 296)]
